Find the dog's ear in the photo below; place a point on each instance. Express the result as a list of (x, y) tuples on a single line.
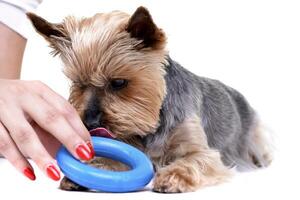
[(53, 33), (142, 27)]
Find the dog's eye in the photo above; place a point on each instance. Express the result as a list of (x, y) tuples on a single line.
[(117, 84)]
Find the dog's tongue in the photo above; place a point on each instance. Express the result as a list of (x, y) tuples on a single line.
[(102, 132)]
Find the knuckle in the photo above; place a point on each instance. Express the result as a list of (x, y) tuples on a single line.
[(17, 89), (16, 161), (4, 145), (70, 140), (2, 103), (38, 84), (67, 111), (22, 134), (51, 116), (38, 156)]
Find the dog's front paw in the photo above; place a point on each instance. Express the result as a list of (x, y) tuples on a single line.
[(173, 180), (67, 184)]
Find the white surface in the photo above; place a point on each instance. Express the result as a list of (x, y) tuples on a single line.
[(253, 46)]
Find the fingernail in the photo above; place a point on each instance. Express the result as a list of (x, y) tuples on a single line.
[(91, 148), (53, 173), (29, 173), (83, 152)]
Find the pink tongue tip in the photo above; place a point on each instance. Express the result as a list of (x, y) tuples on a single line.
[(101, 132)]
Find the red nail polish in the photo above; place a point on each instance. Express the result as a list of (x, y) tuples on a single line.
[(53, 173), (91, 148), (83, 152), (29, 173)]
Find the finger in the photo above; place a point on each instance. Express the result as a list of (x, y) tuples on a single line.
[(50, 143), (64, 107), (27, 141), (10, 151), (51, 120)]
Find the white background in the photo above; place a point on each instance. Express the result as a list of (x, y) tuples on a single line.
[(253, 46)]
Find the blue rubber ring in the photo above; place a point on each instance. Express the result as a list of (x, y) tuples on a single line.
[(90, 177)]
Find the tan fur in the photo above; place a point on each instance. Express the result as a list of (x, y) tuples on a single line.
[(187, 163), (67, 184), (98, 49), (102, 50), (78, 98)]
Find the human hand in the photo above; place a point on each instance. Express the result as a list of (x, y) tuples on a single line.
[(32, 119)]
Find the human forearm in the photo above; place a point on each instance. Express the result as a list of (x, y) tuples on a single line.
[(12, 46)]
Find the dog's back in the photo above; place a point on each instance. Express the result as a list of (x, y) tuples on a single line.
[(230, 124)]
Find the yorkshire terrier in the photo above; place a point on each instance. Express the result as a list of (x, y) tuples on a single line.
[(194, 129)]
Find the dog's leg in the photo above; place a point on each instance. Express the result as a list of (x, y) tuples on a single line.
[(190, 163), (67, 184), (260, 147), (99, 162)]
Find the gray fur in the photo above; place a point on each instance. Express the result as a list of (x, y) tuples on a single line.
[(226, 116)]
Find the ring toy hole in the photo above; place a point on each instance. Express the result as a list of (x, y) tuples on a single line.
[(137, 177)]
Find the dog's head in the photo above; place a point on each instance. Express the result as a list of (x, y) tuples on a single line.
[(116, 64)]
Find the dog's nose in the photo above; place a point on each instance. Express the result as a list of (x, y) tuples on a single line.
[(92, 119)]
